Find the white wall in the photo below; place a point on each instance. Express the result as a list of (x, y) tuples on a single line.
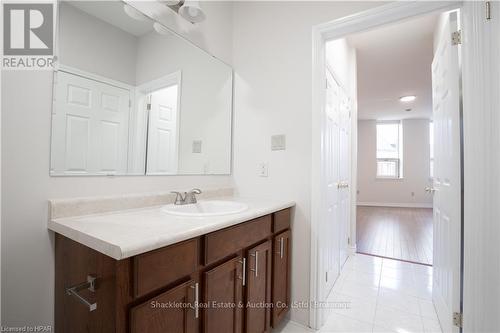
[(416, 154), (27, 246), (273, 78)]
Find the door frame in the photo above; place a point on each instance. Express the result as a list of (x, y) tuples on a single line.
[(385, 14)]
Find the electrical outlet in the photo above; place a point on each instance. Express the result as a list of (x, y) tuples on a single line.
[(263, 169)]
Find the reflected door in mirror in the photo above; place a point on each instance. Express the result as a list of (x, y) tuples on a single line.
[(162, 155), (90, 126)]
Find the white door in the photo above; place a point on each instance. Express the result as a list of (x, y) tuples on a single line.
[(89, 126), (330, 233), (344, 177), (446, 184), (162, 155)]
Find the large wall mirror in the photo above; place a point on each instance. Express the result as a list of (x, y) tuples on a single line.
[(132, 98)]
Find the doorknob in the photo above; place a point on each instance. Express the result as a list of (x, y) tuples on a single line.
[(430, 189)]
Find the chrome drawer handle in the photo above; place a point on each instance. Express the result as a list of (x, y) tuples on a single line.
[(256, 270), (196, 288), (244, 278), (281, 248), (89, 285)]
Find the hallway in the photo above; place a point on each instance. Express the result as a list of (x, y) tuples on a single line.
[(398, 233), (380, 295)]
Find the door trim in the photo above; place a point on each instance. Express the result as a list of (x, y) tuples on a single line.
[(321, 33)]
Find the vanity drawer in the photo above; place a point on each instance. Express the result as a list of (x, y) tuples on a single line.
[(156, 269), (223, 243), (281, 220)]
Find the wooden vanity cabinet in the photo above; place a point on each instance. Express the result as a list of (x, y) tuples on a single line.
[(281, 276), (224, 281), (258, 288), (223, 287), (152, 317)]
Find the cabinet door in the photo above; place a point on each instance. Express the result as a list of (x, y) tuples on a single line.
[(281, 276), (223, 297), (174, 311), (258, 292)]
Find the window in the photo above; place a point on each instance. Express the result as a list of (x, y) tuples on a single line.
[(431, 142), (389, 150)]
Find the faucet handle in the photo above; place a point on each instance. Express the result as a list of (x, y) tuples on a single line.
[(196, 191)]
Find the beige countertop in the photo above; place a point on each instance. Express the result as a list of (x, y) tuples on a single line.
[(123, 234)]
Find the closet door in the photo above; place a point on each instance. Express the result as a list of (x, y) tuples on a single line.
[(344, 161), (329, 237)]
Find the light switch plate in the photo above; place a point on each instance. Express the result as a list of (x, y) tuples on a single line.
[(197, 146), (278, 142), (263, 169)]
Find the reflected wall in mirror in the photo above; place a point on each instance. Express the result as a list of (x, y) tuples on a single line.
[(131, 101)]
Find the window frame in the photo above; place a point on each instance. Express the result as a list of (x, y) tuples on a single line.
[(398, 160)]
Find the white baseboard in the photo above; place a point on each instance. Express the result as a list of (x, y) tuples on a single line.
[(396, 204)]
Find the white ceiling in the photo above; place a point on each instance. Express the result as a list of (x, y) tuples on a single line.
[(112, 12), (395, 61)]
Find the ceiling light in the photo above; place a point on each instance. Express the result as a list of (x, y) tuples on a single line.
[(408, 110), (134, 13), (409, 98), (192, 11)]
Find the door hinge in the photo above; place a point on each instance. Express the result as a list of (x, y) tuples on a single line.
[(456, 37), (326, 276), (488, 10), (458, 319), (349, 240), (148, 107)]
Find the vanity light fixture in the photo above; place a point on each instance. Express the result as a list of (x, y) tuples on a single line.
[(159, 28), (409, 98), (171, 2), (187, 9), (192, 11), (134, 13)]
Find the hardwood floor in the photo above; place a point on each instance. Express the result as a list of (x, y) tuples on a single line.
[(398, 233)]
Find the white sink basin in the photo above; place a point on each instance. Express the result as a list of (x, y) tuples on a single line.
[(206, 208)]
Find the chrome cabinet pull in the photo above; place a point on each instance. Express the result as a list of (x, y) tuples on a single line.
[(256, 270), (244, 278), (196, 288), (89, 285), (281, 248)]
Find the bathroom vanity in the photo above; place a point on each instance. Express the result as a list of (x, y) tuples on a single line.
[(153, 104), (144, 270)]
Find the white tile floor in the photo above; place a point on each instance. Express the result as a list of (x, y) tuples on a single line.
[(382, 295)]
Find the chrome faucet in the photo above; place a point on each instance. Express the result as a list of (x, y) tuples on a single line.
[(187, 197)]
